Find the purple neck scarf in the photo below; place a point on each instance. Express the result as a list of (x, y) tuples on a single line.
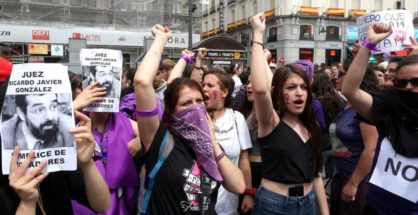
[(192, 127)]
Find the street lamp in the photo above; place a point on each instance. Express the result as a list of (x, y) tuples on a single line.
[(192, 8)]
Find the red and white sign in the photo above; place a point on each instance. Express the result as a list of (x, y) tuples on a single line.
[(40, 34), (93, 37)]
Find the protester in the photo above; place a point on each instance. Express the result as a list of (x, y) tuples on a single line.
[(289, 136), (353, 146), (188, 171), (380, 75), (395, 114), (53, 195), (231, 132), (390, 73)]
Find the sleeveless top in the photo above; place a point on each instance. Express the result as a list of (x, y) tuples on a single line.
[(285, 157)]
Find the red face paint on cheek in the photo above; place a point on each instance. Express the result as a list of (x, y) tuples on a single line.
[(215, 94), (286, 98)]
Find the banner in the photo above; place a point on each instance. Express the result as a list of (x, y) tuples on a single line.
[(401, 22), (37, 114), (104, 66)]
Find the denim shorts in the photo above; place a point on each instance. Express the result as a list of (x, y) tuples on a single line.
[(267, 202)]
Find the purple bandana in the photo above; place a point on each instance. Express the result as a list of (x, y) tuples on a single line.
[(307, 66), (191, 125)]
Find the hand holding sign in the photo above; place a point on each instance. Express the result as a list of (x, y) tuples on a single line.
[(160, 31), (92, 93), (378, 32), (413, 48), (23, 182), (84, 139)]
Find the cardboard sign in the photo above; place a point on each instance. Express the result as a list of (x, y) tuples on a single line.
[(396, 173), (37, 114), (401, 22), (105, 66)]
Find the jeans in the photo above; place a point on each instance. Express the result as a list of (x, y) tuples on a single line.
[(270, 203)]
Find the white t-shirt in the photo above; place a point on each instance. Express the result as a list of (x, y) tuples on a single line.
[(231, 132), (237, 85)]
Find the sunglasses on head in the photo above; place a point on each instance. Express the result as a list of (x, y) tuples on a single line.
[(402, 83)]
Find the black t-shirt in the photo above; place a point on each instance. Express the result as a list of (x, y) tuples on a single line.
[(285, 157), (57, 190), (178, 181), (395, 120)]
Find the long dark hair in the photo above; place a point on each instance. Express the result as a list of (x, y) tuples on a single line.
[(324, 91), (307, 116), (172, 95)]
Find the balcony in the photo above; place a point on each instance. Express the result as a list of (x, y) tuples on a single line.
[(357, 12), (230, 26), (339, 12), (309, 11), (241, 22)]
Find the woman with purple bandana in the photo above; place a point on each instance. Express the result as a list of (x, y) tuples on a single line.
[(188, 181)]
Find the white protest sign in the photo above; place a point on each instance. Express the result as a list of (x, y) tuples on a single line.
[(401, 22), (37, 114), (105, 66), (396, 173)]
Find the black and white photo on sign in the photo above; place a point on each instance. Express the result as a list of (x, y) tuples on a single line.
[(37, 121), (107, 76), (105, 67), (37, 114)]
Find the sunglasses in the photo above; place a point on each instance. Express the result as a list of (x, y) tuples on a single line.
[(402, 83)]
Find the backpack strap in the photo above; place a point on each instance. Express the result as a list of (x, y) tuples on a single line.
[(165, 148)]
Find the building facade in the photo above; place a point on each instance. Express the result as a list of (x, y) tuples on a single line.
[(39, 30), (320, 30)]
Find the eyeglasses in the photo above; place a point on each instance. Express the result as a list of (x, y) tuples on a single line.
[(41, 110), (402, 83)]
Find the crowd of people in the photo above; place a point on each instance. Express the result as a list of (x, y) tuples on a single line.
[(193, 139)]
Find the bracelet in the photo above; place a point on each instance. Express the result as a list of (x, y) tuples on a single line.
[(220, 156), (189, 59), (196, 67), (261, 44), (250, 191), (147, 113), (369, 45)]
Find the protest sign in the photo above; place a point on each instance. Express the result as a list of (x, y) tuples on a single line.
[(37, 114), (392, 167), (104, 66), (401, 22)]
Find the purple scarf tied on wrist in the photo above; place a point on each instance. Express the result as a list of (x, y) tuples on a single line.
[(191, 126)]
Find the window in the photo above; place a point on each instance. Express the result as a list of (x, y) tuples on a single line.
[(333, 4), (272, 36), (255, 8), (213, 24), (306, 3), (355, 4), (306, 32), (232, 15), (206, 26), (378, 5), (243, 12), (333, 33)]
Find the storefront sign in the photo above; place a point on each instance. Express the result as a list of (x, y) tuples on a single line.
[(221, 15), (40, 34), (100, 37), (38, 49), (57, 50)]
